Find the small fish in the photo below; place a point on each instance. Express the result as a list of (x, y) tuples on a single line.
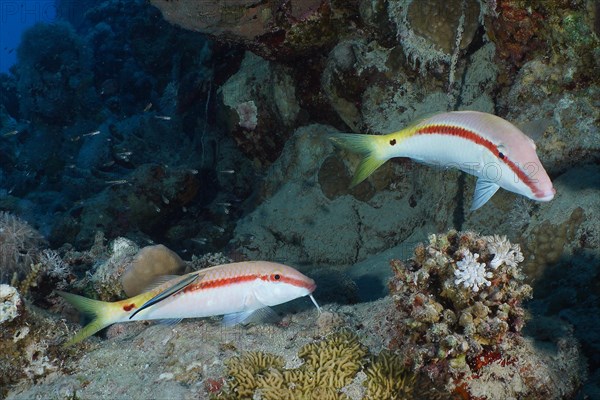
[(240, 291), (117, 182), (11, 133), (148, 107), (163, 117), (94, 133), (227, 171), (480, 144)]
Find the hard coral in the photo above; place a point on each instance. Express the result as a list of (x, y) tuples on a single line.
[(329, 365), (388, 378), (452, 303), (148, 264)]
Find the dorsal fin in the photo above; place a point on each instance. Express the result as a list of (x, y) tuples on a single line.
[(159, 281), (180, 285)]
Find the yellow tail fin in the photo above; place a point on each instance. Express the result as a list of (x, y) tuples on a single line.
[(366, 145), (102, 314)]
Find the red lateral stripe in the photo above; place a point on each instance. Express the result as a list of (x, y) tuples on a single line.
[(290, 281), (474, 137), (216, 283)]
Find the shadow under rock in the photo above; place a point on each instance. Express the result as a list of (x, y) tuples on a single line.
[(569, 290)]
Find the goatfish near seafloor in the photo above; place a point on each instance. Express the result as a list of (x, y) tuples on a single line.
[(242, 292), (480, 144)]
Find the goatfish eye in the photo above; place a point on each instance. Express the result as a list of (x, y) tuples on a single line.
[(275, 277)]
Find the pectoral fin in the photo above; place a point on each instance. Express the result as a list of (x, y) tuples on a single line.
[(265, 314), (167, 293), (484, 190)]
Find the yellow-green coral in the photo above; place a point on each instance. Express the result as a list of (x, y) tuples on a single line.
[(387, 378), (246, 370), (329, 365)]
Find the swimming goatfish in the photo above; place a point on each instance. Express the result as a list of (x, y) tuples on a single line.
[(240, 291), (480, 144)]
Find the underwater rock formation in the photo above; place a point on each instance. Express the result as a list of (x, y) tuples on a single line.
[(29, 340), (299, 222), (272, 29), (430, 31), (106, 279), (257, 101), (459, 311)]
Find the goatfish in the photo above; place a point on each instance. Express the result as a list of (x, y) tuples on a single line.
[(242, 292), (480, 144)]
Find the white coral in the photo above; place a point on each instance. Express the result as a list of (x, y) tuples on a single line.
[(504, 252), (471, 273), (9, 303)]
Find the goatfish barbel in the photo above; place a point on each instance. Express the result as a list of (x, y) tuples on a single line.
[(240, 291), (480, 144)]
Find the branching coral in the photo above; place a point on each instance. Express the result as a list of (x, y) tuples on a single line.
[(504, 252), (470, 273)]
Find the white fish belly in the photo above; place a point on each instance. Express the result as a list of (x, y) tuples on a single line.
[(444, 151), (204, 303)]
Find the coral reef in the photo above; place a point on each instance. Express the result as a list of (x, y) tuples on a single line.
[(430, 30), (209, 260), (460, 295), (10, 303), (258, 100), (20, 247), (107, 277), (298, 222), (28, 340), (329, 366), (388, 378), (460, 317), (149, 263)]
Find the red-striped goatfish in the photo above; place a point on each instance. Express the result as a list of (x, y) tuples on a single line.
[(480, 144), (240, 291)]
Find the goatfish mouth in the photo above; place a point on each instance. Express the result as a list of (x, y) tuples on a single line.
[(241, 292), (480, 144)]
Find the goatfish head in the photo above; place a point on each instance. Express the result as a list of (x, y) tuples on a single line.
[(279, 284)]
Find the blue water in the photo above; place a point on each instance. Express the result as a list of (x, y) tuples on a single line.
[(15, 17)]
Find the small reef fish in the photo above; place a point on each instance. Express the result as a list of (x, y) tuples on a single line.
[(241, 291), (480, 144)]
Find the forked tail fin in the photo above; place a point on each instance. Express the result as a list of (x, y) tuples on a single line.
[(102, 313), (366, 145)]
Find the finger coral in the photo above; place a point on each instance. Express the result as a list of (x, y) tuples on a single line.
[(329, 365), (388, 378)]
